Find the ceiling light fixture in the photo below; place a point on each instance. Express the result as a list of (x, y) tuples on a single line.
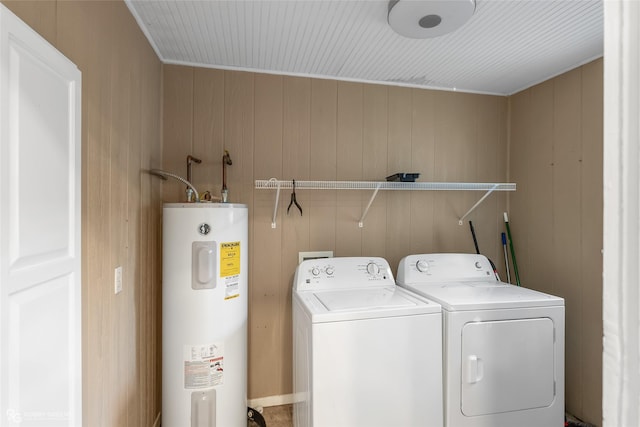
[(424, 19)]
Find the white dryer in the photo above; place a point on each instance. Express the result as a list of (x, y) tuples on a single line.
[(503, 348), (356, 358)]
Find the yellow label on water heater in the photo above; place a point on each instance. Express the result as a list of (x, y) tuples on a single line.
[(229, 259)]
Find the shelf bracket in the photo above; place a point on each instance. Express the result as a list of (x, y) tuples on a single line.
[(366, 210), (461, 220), (275, 206)]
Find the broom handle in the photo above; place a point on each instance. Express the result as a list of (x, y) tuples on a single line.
[(513, 251)]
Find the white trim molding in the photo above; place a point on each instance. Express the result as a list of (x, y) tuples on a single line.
[(264, 402), (621, 225)]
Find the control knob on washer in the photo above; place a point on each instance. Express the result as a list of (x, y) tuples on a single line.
[(373, 269), (422, 266), (315, 271), (329, 270)]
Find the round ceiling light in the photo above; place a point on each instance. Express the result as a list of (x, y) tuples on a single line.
[(423, 19)]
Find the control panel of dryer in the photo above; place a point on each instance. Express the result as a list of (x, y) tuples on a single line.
[(342, 273), (427, 268)]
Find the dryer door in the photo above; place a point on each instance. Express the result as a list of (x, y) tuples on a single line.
[(507, 366)]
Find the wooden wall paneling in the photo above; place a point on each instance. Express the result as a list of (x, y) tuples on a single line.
[(591, 231), (374, 167), (502, 198), (96, 77), (154, 108), (177, 128), (239, 135), (525, 178), (131, 264), (349, 168), (149, 305), (208, 129), (563, 216), (295, 227), (451, 141), (146, 338), (520, 139), (39, 15), (398, 160), (540, 209), (268, 342), (489, 169), (322, 152), (567, 224), (135, 307), (154, 241), (467, 141), (119, 155), (295, 165), (423, 162)]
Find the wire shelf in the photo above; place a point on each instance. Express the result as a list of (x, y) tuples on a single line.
[(275, 184)]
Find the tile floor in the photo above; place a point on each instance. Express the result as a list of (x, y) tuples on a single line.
[(276, 416)]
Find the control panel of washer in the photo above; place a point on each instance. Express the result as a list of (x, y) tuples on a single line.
[(342, 273), (427, 268)]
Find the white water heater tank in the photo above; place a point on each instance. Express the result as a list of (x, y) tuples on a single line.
[(204, 315)]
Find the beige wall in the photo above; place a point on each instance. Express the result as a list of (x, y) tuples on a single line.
[(302, 128), (556, 215), (121, 100)]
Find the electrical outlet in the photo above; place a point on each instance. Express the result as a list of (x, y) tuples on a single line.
[(118, 280)]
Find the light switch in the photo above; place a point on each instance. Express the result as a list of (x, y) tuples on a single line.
[(118, 280)]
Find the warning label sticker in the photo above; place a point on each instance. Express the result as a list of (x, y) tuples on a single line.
[(230, 268), (231, 287), (229, 259), (203, 365)]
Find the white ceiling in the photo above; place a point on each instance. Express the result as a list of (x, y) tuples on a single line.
[(506, 46)]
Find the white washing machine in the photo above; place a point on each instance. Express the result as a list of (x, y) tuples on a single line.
[(503, 348), (357, 359)]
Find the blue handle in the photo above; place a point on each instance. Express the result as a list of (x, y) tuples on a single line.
[(504, 239)]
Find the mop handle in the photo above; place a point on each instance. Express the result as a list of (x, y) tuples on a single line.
[(513, 251), (506, 256)]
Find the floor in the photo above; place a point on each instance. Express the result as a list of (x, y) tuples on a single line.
[(276, 416)]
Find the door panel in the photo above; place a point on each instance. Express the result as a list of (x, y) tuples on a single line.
[(507, 365), (40, 277), (39, 319), (40, 157)]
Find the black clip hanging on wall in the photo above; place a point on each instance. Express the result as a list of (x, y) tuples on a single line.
[(294, 201)]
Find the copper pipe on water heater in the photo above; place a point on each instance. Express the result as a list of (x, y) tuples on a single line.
[(190, 160)]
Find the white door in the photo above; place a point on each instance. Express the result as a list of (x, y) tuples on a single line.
[(40, 318), (507, 365)]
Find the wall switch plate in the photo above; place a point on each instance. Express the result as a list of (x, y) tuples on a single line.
[(118, 280)]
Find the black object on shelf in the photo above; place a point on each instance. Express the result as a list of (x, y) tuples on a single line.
[(403, 177)]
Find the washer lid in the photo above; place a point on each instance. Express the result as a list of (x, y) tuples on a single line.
[(479, 295), (364, 299), (369, 303)]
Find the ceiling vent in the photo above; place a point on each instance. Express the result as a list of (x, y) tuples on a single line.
[(424, 19)]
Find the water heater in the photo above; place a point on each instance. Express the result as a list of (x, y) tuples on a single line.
[(204, 315)]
